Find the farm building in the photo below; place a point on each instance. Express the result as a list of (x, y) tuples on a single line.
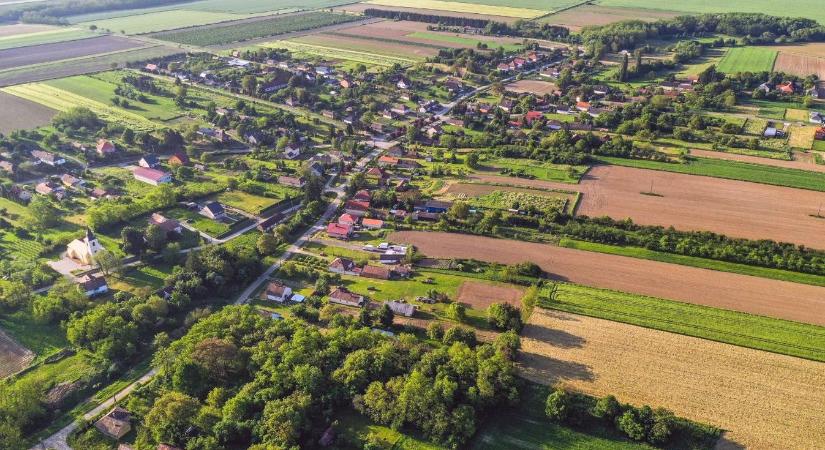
[(105, 147), (115, 424), (149, 161), (401, 308), (84, 250), (276, 292), (213, 210), (151, 176), (342, 296), (344, 266), (372, 224), (378, 273)]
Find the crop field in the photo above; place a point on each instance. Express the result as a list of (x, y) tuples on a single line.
[(798, 115), (765, 297), (802, 161), (811, 9), (750, 393), (18, 114), (24, 28), (257, 6), (161, 21), (748, 59), (800, 65), (439, 5), (13, 356), (802, 137), (462, 40), (26, 56), (62, 100), (334, 53), (475, 190), (480, 295), (359, 8), (537, 87), (593, 15), (503, 199), (227, 33), (44, 37)]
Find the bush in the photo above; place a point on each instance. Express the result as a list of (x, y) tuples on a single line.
[(456, 311), (557, 406), (607, 408), (504, 316)]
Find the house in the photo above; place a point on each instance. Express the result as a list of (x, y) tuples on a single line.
[(179, 159), (344, 266), (297, 182), (342, 296), (151, 67), (437, 206), (401, 308), (583, 106), (502, 67), (401, 109), (817, 93), (105, 147), (70, 180), (149, 161), (214, 134), (7, 166), (329, 114), (375, 176), (115, 424), (213, 210), (764, 87), (771, 132), (99, 193), (356, 208), (269, 223), (378, 273), (402, 271), (403, 83), (151, 176), (434, 131), (338, 231), (819, 134), (816, 117), (532, 116), (348, 219), (170, 226), (50, 188), (786, 87), (507, 105), (391, 258), (387, 161), (362, 196), (20, 193), (316, 168), (372, 224), (84, 250), (92, 285), (167, 447), (291, 152), (276, 292), (48, 158)]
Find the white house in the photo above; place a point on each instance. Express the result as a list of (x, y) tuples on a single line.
[(277, 292), (213, 210), (93, 285)]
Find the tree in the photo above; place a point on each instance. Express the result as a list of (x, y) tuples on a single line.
[(630, 423), (607, 408), (108, 262), (43, 213), (219, 358), (623, 68), (456, 311), (557, 406), (14, 295), (132, 241), (459, 210), (384, 316), (128, 136), (249, 84), (504, 316), (471, 160), (155, 237), (170, 418), (267, 244)]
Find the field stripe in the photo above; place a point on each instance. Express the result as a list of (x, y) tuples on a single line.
[(330, 52), (437, 5)]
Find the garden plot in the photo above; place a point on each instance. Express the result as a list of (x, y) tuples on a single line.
[(13, 356)]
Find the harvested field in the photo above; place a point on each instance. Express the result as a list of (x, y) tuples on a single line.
[(439, 5), (359, 8), (370, 45), (592, 15), (13, 356), (772, 298), (38, 54), (690, 202), (802, 161), (800, 65), (480, 295), (20, 114), (24, 28), (537, 87), (764, 400)]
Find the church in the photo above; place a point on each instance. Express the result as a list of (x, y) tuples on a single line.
[(84, 250)]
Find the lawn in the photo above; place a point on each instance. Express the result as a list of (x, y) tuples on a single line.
[(722, 266), (199, 222), (748, 59), (161, 21), (541, 171), (732, 170), (465, 41), (746, 330), (253, 204), (42, 339)]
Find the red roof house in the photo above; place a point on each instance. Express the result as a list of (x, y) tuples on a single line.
[(338, 231)]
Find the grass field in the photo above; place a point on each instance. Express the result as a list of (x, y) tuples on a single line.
[(468, 42), (62, 100), (339, 53), (748, 59), (799, 115), (723, 266), (199, 222), (44, 37), (812, 8), (731, 327), (732, 170), (161, 21), (247, 202), (234, 32), (802, 137), (493, 9), (541, 171)]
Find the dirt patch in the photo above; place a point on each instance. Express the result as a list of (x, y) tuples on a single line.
[(361, 7), (810, 60), (773, 298), (23, 28), (18, 113), (590, 15), (802, 161), (26, 56), (537, 87), (13, 356), (765, 400), (479, 295)]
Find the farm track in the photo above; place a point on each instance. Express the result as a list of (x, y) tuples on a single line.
[(764, 400), (772, 298)]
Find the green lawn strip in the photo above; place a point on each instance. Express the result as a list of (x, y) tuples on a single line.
[(684, 260), (48, 37), (42, 339), (748, 59), (732, 170), (461, 40), (730, 327)]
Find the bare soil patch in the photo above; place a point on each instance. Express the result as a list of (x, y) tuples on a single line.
[(23, 28), (801, 65), (13, 356), (765, 400), (590, 15), (36, 54), (361, 7), (802, 161), (772, 298), (18, 113), (480, 295), (366, 43), (537, 87)]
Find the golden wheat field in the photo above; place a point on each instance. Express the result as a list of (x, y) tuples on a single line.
[(763, 400)]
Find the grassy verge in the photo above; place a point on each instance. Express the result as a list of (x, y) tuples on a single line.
[(732, 170), (723, 266), (731, 327)]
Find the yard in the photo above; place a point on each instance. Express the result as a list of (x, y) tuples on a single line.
[(250, 203), (748, 59)]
